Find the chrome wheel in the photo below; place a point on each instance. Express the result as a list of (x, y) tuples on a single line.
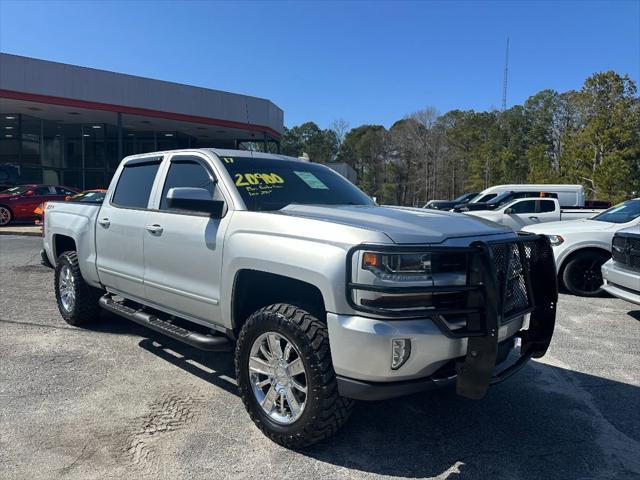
[(67, 288), (5, 216), (278, 377)]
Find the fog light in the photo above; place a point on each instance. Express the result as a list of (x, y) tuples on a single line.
[(400, 351)]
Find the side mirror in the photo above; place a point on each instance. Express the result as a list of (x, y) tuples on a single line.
[(67, 198), (28, 193), (508, 211), (194, 200)]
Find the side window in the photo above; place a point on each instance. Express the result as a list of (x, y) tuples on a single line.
[(526, 206), (547, 206), (41, 191), (134, 185), (63, 191), (184, 172)]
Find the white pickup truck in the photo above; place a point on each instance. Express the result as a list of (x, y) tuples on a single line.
[(325, 296), (521, 212)]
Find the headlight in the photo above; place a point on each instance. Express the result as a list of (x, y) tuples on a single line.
[(401, 281), (555, 240), (398, 267)]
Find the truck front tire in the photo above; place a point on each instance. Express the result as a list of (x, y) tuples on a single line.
[(286, 378), (77, 300)]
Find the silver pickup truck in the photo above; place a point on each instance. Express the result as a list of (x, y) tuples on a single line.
[(325, 296)]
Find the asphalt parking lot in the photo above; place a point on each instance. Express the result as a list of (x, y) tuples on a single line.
[(118, 401)]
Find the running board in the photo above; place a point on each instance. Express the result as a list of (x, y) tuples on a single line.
[(203, 342)]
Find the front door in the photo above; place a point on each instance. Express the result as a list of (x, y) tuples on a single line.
[(120, 229), (183, 250), (521, 213)]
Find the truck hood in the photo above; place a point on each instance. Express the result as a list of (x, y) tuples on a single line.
[(485, 213), (5, 196), (569, 226), (401, 224)]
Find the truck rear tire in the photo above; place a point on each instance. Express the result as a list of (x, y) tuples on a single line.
[(77, 300), (286, 378), (582, 275)]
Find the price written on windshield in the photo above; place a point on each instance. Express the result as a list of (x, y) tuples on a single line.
[(250, 179)]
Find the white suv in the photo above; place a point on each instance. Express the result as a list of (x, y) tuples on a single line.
[(582, 246), (622, 273)]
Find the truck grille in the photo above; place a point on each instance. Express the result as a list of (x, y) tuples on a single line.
[(510, 270), (626, 250), (504, 280)]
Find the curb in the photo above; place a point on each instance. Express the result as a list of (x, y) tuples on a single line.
[(20, 234)]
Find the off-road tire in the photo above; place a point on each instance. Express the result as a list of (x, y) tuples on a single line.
[(325, 411), (86, 308), (576, 269)]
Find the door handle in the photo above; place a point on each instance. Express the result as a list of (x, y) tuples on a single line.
[(533, 218), (155, 229), (105, 222)]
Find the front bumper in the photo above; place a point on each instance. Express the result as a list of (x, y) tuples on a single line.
[(621, 282), (362, 346)]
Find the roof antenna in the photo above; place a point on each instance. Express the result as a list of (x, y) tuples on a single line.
[(506, 77)]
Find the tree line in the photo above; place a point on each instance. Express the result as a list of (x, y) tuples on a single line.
[(590, 136)]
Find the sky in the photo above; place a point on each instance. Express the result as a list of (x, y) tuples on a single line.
[(364, 62)]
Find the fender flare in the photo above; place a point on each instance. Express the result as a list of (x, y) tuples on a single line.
[(577, 248)]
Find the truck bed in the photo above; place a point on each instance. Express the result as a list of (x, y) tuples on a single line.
[(77, 221)]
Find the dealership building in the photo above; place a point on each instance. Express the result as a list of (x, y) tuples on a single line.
[(70, 125)]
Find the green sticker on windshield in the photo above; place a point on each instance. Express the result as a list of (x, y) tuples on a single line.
[(311, 180)]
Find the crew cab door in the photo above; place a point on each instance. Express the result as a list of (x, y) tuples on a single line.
[(548, 210), (120, 228), (520, 213), (529, 211), (183, 249)]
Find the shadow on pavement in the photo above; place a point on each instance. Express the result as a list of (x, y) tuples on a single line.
[(635, 314), (546, 422), (216, 368)]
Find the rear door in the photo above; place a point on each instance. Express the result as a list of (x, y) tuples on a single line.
[(183, 250), (121, 226), (548, 211)]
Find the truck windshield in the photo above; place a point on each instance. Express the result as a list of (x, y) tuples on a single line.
[(90, 196), (500, 199), (621, 213), (466, 197), (484, 198), (271, 184)]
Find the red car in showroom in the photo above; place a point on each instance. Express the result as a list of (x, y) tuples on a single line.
[(18, 203)]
